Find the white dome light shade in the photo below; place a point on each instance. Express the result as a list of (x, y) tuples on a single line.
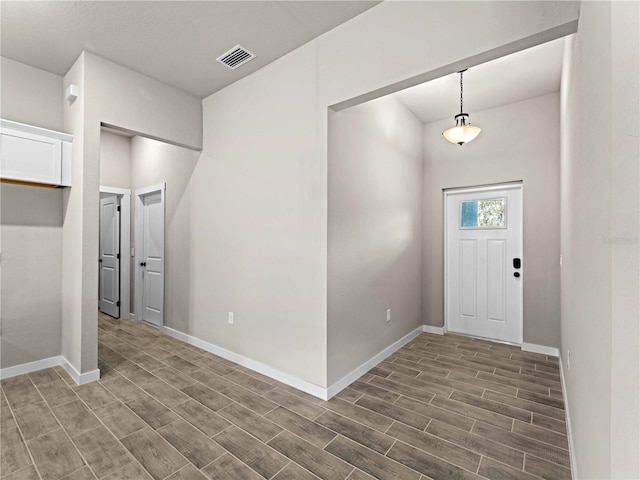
[(463, 132)]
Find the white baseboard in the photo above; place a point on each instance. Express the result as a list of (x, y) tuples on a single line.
[(59, 360), (533, 348), (430, 329), (80, 378), (259, 367), (29, 367), (372, 362), (572, 453)]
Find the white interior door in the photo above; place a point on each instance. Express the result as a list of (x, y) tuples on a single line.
[(109, 260), (484, 263), (150, 247)]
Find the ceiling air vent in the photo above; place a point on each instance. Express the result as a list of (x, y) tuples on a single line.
[(236, 57)]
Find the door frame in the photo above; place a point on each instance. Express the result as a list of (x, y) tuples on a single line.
[(125, 247), (517, 184), (140, 193)]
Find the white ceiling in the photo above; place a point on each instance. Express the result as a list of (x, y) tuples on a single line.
[(513, 78), (175, 42)]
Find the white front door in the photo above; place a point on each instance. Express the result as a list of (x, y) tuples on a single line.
[(484, 262), (109, 258), (150, 245)]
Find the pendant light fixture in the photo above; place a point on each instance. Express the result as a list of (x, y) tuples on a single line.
[(463, 132)]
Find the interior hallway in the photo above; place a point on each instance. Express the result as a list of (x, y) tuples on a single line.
[(441, 407)]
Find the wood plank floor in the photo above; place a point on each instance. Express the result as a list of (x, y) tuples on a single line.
[(442, 407)]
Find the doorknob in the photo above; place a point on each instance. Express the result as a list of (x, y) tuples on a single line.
[(143, 264)]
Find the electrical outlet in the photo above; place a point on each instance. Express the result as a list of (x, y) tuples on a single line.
[(568, 359), (388, 315), (230, 318)]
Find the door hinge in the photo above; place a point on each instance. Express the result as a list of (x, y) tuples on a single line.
[(118, 256), (118, 303), (118, 207)]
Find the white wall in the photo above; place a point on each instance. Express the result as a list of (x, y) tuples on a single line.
[(599, 240), (111, 94), (260, 188), (520, 141), (30, 228), (115, 160), (374, 231)]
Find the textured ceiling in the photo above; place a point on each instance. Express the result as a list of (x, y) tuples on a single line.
[(526, 74), (175, 42)]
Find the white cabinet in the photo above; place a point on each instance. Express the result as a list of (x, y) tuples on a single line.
[(34, 155)]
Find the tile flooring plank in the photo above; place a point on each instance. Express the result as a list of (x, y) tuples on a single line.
[(248, 399), (543, 399), (434, 445), (294, 403), (492, 406), (477, 444), (249, 382), (13, 452), (257, 425), (27, 473), (310, 431), (154, 453), (123, 389), (424, 385), (358, 432), (260, 457), (35, 420), (102, 451), (211, 379), (54, 455), (527, 405), (348, 394), (20, 391), (525, 444), (374, 391), (83, 474), (479, 382), (544, 469), (94, 394), (206, 396), (182, 365), (359, 475), (530, 387), (165, 393), (138, 375), (541, 434), (427, 464), (314, 459), (421, 367), (495, 470), (393, 411), (368, 461), (174, 378), (187, 473), (229, 467), (437, 413), (75, 417), (151, 411), (293, 471), (195, 446), (407, 389), (211, 363), (119, 419), (204, 419), (549, 423), (359, 414), (132, 471), (44, 376)]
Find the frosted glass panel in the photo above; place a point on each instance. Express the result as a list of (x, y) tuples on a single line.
[(483, 214)]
